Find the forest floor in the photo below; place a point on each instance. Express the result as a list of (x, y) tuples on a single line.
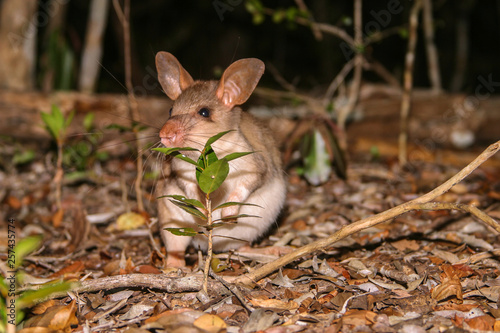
[(431, 271)]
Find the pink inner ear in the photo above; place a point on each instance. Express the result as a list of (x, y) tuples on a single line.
[(239, 81), (230, 91), (172, 76)]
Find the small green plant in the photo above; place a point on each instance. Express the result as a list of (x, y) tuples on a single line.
[(57, 125), (12, 301), (211, 172), (80, 153)]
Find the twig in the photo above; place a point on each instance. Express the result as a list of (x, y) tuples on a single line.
[(124, 17), (234, 290), (208, 259), (380, 35), (279, 78), (316, 32), (343, 112), (330, 29), (382, 72), (408, 82), (420, 203), (332, 88)]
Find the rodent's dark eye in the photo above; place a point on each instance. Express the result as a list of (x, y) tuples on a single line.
[(204, 112), (170, 112)]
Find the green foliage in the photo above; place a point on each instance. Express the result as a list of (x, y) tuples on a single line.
[(280, 15), (190, 206), (56, 124), (23, 157), (212, 177), (317, 167), (80, 153), (211, 172), (10, 285), (24, 247), (183, 231)]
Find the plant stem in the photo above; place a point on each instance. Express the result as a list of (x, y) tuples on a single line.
[(210, 244), (59, 174)]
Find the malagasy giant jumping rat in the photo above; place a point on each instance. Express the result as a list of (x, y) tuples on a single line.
[(202, 109)]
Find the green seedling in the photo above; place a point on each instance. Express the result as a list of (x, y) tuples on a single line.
[(80, 154), (57, 125), (211, 172)]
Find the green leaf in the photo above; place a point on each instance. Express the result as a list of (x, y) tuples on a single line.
[(182, 198), (234, 156), (25, 246), (4, 289), (169, 151), (176, 152), (215, 138), (206, 158), (231, 203), (253, 6), (183, 231), (69, 119), (189, 209), (278, 16), (235, 217), (55, 122), (258, 18), (88, 121), (31, 297), (317, 166), (52, 125), (291, 13), (23, 157), (213, 176)]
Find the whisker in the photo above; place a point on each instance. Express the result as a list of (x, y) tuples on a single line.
[(114, 77)]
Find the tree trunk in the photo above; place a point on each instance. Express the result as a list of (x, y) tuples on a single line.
[(18, 31), (91, 58)]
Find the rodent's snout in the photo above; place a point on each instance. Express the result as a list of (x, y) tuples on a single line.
[(172, 135)]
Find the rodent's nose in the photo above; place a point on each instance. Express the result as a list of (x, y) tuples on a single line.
[(168, 140), (171, 134)]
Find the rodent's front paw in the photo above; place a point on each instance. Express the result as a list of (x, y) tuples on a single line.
[(176, 259)]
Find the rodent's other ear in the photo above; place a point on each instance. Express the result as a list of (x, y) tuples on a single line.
[(172, 76), (239, 80)]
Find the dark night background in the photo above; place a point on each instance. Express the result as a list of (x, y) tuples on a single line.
[(202, 42)]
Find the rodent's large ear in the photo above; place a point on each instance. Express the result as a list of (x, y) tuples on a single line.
[(239, 80), (172, 76)]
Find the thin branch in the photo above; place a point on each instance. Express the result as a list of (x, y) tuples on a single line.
[(337, 81), (279, 78), (329, 29), (383, 34), (408, 82), (382, 72), (344, 112), (124, 17), (420, 203), (316, 32)]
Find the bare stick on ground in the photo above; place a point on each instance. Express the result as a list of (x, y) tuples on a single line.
[(421, 203)]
